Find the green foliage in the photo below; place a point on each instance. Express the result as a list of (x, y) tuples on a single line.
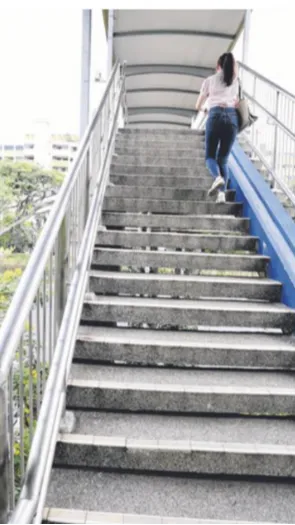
[(18, 453), (24, 186), (8, 282), (30, 383)]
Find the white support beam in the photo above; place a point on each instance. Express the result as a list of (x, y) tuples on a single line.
[(85, 70), (246, 37), (110, 40)]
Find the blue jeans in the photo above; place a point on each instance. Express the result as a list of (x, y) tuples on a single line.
[(221, 132)]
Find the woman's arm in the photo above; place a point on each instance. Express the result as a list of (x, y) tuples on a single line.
[(201, 99), (204, 93)]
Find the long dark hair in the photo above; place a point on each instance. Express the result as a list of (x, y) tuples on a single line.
[(227, 64)]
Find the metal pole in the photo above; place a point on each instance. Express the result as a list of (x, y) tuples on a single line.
[(246, 37), (110, 40), (275, 145), (85, 70), (4, 455)]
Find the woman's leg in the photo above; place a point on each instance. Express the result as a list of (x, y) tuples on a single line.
[(229, 129), (212, 142)]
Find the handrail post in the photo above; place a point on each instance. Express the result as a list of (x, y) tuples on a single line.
[(275, 146), (4, 453), (125, 107), (254, 97), (60, 277)]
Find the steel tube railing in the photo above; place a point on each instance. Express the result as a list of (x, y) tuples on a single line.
[(39, 330), (272, 138)]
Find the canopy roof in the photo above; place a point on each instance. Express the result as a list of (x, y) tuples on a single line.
[(168, 55)]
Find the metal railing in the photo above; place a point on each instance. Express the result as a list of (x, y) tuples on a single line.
[(272, 138), (38, 334)]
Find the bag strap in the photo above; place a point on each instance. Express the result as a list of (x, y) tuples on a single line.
[(240, 89)]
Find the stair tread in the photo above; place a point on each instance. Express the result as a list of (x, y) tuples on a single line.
[(158, 155), (160, 253), (189, 222), (154, 378), (191, 215), (70, 516), (199, 167), (183, 339), (172, 496), (176, 235), (192, 304), (218, 430), (182, 278)]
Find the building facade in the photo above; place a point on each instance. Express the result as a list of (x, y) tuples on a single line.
[(51, 151)]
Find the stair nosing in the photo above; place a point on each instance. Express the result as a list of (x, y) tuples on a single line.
[(70, 515), (182, 278), (177, 445), (179, 388), (184, 253)]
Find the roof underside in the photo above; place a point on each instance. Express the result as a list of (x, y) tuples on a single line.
[(168, 54)]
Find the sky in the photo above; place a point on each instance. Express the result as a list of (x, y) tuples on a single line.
[(40, 57)]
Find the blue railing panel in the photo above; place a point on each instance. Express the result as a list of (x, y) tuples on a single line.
[(269, 221)]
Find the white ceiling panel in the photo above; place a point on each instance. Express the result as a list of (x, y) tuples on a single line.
[(173, 50), (159, 116), (160, 125), (153, 98), (164, 81), (217, 20)]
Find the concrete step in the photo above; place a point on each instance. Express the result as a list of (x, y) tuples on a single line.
[(180, 207), (154, 133), (179, 428), (230, 501), (173, 259), (121, 168), (166, 181), (139, 389), (143, 150), (160, 193), (189, 314), (187, 241), (174, 456), (70, 516), (206, 223), (187, 287), (163, 142), (161, 160), (184, 349)]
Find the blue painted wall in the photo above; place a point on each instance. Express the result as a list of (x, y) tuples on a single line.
[(269, 221)]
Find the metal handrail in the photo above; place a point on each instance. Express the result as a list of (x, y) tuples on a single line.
[(62, 254), (273, 136), (42, 452), (23, 298), (270, 115), (267, 80), (270, 171)]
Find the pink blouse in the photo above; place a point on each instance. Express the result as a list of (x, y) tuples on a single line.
[(218, 93)]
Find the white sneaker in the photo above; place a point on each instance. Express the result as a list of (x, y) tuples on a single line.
[(220, 197), (218, 183)]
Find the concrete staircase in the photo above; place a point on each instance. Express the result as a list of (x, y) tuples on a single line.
[(182, 391)]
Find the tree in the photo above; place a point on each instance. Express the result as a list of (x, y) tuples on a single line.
[(25, 189)]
